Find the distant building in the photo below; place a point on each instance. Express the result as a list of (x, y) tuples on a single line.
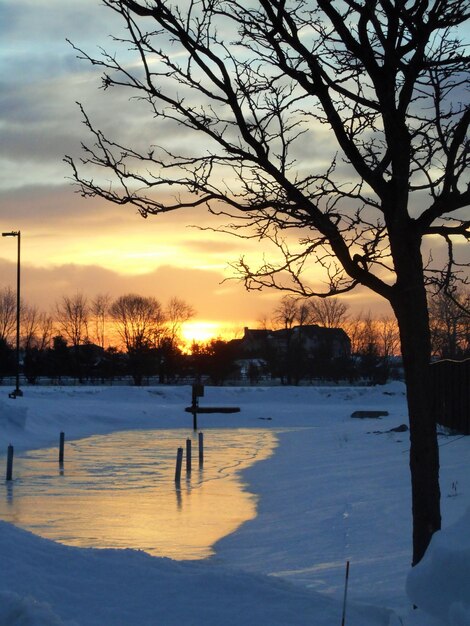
[(311, 339), (333, 341), (308, 352)]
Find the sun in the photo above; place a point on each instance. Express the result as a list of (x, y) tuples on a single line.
[(200, 332)]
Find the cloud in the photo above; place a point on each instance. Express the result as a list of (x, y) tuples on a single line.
[(41, 81), (44, 286), (212, 297), (227, 248), (41, 26)]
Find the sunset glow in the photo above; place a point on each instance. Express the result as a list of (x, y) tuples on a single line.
[(201, 332)]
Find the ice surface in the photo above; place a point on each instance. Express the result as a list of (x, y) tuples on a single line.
[(118, 490)]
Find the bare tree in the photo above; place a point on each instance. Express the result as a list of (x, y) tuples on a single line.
[(139, 321), (353, 328), (37, 328), (331, 312), (36, 337), (99, 309), (366, 333), (177, 312), (72, 316), (389, 338), (450, 324), (7, 314), (263, 322), (286, 314), (385, 79)]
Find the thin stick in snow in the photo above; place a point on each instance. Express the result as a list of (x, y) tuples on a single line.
[(343, 621)]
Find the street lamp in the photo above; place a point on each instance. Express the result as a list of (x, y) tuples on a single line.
[(17, 392)]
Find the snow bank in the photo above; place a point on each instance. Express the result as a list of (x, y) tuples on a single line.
[(12, 417), (90, 587), (440, 583), (26, 611)]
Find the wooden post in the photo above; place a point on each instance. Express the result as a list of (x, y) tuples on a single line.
[(201, 449), (179, 463), (188, 456), (10, 462), (61, 448), (194, 405)]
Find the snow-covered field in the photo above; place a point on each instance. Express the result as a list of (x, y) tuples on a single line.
[(335, 490)]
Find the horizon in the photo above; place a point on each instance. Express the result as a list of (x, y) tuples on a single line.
[(222, 310)]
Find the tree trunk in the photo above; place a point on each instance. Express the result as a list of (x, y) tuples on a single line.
[(410, 308)]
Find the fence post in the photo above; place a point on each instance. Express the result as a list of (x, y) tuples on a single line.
[(179, 463), (61, 448), (188, 456), (10, 462), (201, 449)]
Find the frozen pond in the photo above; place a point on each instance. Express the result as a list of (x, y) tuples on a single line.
[(118, 490)]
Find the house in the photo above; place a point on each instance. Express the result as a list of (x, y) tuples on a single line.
[(310, 339), (315, 339), (304, 352)]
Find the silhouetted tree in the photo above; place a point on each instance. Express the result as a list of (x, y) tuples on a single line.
[(170, 359), (215, 359), (177, 312), (7, 359), (327, 312), (113, 364), (450, 324), (36, 336), (140, 323), (72, 317), (386, 80), (99, 309), (58, 358), (7, 313), (286, 315), (36, 328)]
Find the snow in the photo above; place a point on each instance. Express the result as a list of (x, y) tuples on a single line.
[(336, 489), (441, 582)]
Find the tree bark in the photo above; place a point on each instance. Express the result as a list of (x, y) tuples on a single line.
[(410, 307)]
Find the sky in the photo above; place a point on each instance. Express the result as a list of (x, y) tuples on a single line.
[(71, 244)]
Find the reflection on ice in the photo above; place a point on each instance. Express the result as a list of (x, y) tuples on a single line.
[(118, 491)]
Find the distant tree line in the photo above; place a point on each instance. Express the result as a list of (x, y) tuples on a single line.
[(375, 342), (134, 336), (96, 338)]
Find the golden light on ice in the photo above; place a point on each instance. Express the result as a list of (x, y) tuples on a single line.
[(118, 491)]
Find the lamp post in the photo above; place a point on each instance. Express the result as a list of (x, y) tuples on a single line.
[(17, 392)]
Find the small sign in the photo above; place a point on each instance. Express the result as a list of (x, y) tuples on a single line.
[(198, 390)]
